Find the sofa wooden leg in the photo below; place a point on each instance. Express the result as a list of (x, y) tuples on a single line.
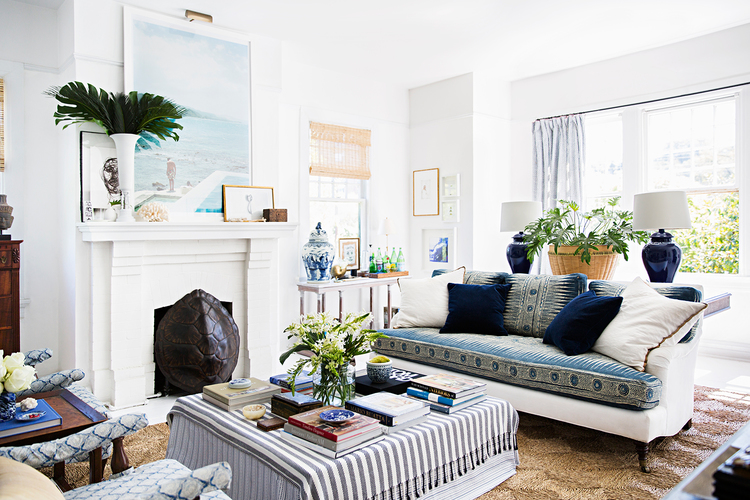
[(642, 449), (688, 425)]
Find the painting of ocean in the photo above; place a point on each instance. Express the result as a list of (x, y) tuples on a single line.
[(209, 75)]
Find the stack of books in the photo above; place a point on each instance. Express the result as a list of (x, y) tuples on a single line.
[(393, 411), (285, 405), (331, 440), (22, 424), (397, 383), (234, 399), (302, 383), (447, 393)]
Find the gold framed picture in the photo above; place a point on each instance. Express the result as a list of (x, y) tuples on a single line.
[(349, 252)]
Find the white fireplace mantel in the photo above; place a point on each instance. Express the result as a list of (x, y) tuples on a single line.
[(138, 267), (156, 231)]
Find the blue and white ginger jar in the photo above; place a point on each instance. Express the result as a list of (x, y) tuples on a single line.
[(318, 254)]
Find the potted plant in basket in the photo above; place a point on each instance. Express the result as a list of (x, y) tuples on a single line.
[(583, 242), (334, 344), (127, 118)]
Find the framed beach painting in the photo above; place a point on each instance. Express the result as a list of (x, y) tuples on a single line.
[(246, 203), (425, 194), (206, 70), (349, 252), (99, 174), (439, 248)]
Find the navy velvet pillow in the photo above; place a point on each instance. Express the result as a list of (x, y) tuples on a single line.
[(579, 324), (476, 309)]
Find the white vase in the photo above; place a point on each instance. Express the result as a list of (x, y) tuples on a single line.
[(125, 145)]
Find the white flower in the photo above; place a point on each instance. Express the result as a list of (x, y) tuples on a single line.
[(20, 379), (14, 361)]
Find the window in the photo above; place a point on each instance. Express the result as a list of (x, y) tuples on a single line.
[(2, 126), (339, 169), (603, 169), (692, 147)]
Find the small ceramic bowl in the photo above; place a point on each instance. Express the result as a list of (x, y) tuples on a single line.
[(240, 383), (379, 373), (336, 416), (253, 412)]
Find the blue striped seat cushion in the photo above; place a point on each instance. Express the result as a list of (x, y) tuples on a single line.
[(615, 289), (526, 362)]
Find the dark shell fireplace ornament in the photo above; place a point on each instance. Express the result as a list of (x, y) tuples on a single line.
[(197, 342)]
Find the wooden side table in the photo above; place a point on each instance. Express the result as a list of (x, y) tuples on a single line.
[(76, 416), (319, 289)]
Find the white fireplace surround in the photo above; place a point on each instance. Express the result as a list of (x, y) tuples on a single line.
[(136, 268)]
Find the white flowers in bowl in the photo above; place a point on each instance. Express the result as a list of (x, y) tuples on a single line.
[(14, 375)]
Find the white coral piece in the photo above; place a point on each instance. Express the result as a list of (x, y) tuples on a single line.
[(154, 212), (28, 404)]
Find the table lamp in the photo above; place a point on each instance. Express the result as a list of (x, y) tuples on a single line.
[(514, 216), (661, 210), (387, 227)]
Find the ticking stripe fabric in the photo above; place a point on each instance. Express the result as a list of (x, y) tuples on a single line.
[(526, 362), (408, 464)]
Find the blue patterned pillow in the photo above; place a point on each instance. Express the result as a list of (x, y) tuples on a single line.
[(477, 277), (576, 328), (534, 301), (476, 309)]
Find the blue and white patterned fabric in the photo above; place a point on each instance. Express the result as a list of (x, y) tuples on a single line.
[(161, 480), (526, 362), (87, 397), (53, 382), (688, 293), (478, 277), (534, 301), (51, 452), (33, 358)]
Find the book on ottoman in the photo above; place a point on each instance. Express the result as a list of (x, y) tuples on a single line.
[(398, 382), (285, 405)]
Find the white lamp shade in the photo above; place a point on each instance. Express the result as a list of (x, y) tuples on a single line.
[(661, 210), (515, 215), (387, 227)]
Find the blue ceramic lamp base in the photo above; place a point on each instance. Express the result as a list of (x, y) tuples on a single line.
[(661, 257), (516, 253)]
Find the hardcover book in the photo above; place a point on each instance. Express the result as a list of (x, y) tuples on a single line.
[(324, 451), (437, 398), (388, 420), (332, 445), (450, 386), (396, 383), (388, 404), (302, 381), (286, 405), (14, 427), (452, 409), (311, 421), (388, 430), (259, 391)]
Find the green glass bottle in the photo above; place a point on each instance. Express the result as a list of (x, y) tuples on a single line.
[(373, 268), (392, 260), (379, 261), (400, 261)]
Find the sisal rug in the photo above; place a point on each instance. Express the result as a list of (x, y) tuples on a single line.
[(560, 461)]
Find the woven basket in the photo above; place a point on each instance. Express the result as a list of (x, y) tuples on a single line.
[(603, 262)]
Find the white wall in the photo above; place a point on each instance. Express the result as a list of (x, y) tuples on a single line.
[(703, 63)]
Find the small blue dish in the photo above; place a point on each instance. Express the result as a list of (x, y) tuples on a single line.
[(336, 416), (240, 383), (31, 415)]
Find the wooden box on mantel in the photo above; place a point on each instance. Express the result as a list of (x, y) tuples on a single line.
[(274, 214)]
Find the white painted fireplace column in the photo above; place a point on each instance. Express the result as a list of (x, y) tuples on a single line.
[(139, 267)]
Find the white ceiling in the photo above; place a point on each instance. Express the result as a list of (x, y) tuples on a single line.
[(409, 43)]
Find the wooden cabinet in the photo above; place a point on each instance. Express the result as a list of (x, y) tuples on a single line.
[(10, 296)]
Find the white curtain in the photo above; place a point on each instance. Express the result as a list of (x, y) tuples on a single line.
[(558, 159)]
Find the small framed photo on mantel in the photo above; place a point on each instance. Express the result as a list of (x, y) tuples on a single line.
[(246, 203), (426, 194)]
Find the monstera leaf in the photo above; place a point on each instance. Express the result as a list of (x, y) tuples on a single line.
[(117, 113)]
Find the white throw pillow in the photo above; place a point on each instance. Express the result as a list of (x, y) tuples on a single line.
[(424, 302), (646, 320)]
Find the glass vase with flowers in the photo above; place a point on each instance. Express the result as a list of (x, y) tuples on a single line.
[(15, 376)]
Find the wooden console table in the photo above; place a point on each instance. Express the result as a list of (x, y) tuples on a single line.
[(341, 286)]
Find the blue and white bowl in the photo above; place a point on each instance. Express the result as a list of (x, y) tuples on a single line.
[(336, 416), (240, 383), (379, 373)]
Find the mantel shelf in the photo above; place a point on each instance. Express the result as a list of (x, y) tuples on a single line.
[(159, 231)]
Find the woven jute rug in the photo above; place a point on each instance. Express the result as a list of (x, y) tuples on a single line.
[(560, 460)]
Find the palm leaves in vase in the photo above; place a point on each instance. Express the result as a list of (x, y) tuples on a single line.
[(147, 115)]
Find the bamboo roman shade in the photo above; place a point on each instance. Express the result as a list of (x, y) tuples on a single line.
[(337, 151), (2, 126)]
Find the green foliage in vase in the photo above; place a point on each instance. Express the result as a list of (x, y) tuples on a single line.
[(712, 245), (147, 115), (334, 343), (567, 225)]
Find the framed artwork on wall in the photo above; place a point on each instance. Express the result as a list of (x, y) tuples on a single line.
[(425, 195), (439, 248), (99, 175), (246, 203), (349, 252), (167, 56), (451, 185), (449, 209)]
